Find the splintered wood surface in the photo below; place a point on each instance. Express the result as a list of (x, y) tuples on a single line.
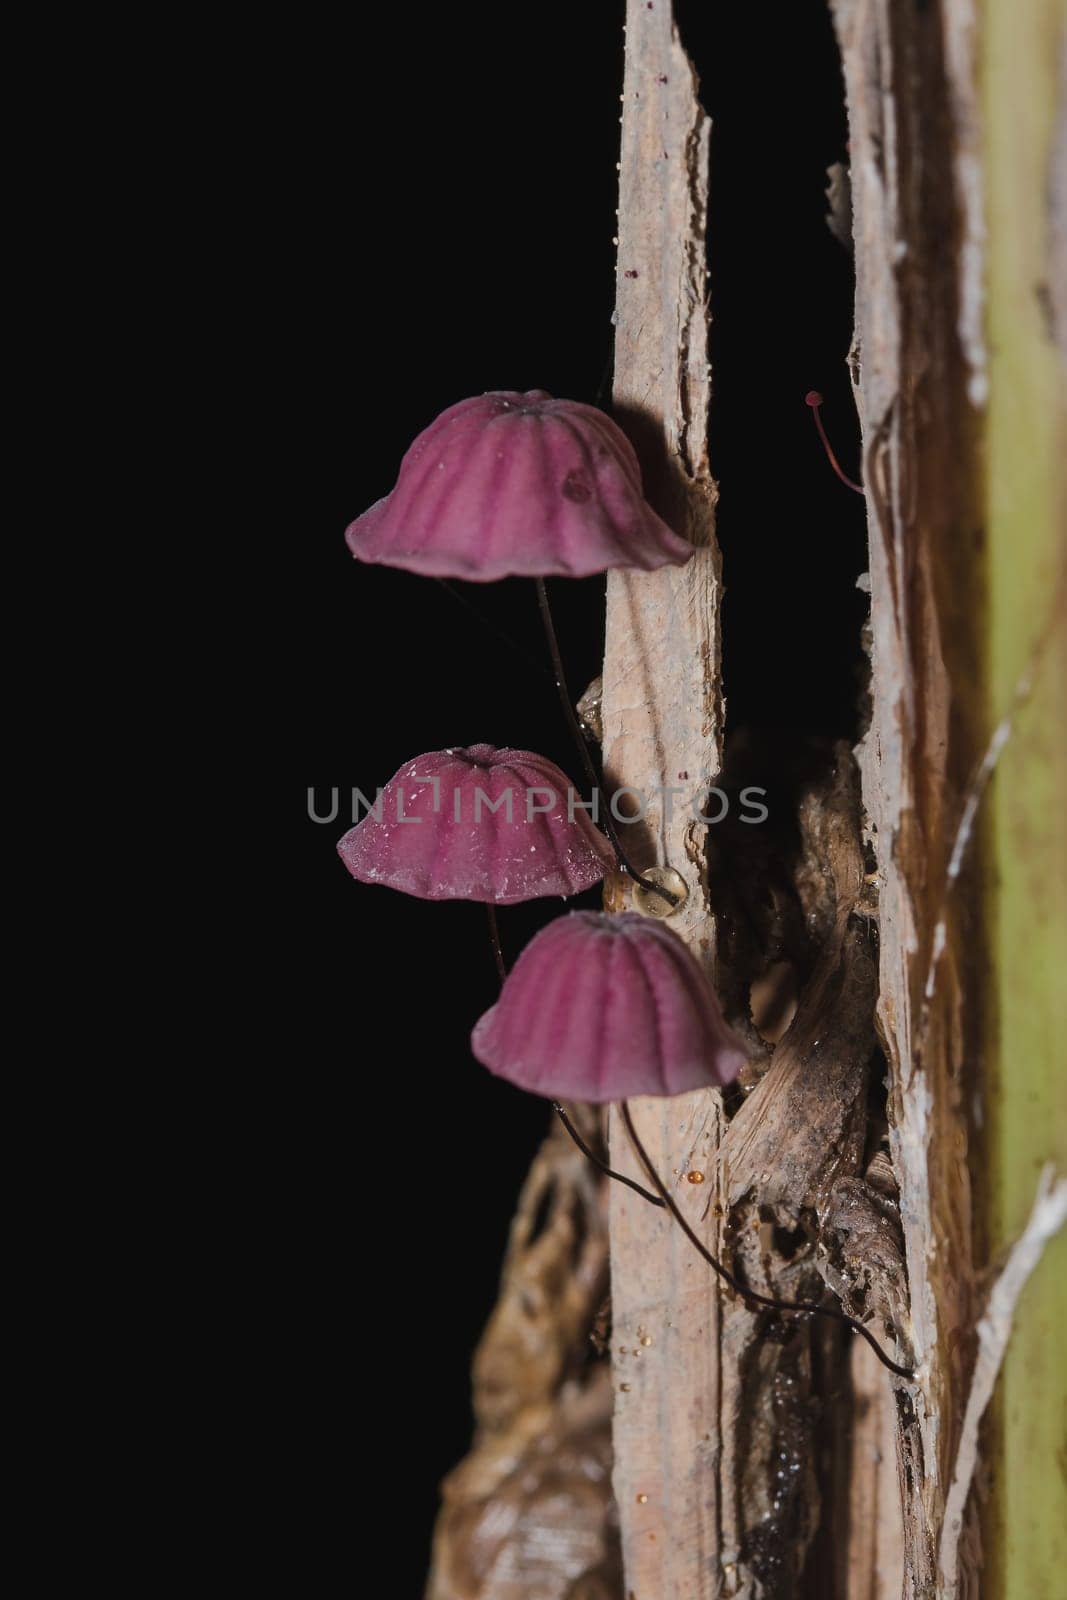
[(918, 367), (720, 1433), (662, 725)]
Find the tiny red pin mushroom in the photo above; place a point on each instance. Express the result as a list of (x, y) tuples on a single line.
[(600, 1008), (517, 485), (814, 400), (495, 825)]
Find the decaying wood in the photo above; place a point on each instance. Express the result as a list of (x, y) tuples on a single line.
[(717, 1415), (529, 1514), (875, 1549), (662, 726), (800, 1206), (918, 365)]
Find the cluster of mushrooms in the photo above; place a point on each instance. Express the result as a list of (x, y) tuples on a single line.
[(597, 1008)]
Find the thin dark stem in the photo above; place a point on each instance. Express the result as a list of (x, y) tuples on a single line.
[(794, 1307), (583, 749), (494, 940), (606, 377), (595, 1159), (490, 627), (814, 400)]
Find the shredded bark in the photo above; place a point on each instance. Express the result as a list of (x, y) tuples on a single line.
[(529, 1514)]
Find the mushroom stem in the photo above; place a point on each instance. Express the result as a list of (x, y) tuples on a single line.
[(583, 749), (814, 399), (494, 940), (491, 628), (595, 1159), (793, 1307)]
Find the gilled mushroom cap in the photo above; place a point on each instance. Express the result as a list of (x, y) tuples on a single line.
[(478, 824), (601, 1008), (517, 485)]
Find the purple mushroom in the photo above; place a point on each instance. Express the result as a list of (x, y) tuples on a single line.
[(600, 1008), (517, 485), (478, 824), (521, 485)]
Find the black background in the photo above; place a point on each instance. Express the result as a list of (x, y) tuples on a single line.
[(445, 196)]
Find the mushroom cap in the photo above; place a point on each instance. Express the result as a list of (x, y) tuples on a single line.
[(444, 841), (517, 485), (601, 1008)]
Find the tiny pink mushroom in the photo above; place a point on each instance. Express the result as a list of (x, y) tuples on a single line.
[(478, 824), (600, 1008), (517, 485)]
